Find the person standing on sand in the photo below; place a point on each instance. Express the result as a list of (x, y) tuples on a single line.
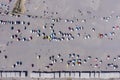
[(10, 1)]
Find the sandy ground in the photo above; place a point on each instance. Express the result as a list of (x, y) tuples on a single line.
[(27, 51)]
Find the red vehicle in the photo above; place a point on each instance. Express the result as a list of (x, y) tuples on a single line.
[(100, 35)]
